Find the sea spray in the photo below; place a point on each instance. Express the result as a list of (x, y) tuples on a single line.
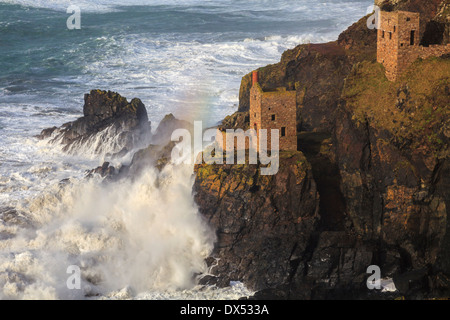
[(144, 235)]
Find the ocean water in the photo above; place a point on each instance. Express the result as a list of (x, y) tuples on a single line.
[(183, 57)]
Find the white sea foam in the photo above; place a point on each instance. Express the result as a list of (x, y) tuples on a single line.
[(146, 235)]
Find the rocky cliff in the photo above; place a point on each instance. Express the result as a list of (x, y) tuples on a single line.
[(377, 153), (391, 143), (264, 223)]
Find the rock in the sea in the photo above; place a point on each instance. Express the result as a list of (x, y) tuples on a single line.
[(166, 127), (12, 217), (157, 154), (110, 124), (105, 170), (153, 156)]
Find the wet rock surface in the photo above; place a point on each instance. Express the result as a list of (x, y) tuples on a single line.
[(12, 217), (156, 155), (263, 223), (107, 117)]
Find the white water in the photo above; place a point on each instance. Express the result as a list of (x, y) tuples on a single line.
[(133, 236)]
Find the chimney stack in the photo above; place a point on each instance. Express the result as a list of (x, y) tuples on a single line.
[(255, 77)]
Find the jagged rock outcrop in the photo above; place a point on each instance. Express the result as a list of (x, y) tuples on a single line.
[(263, 223), (157, 154), (12, 217), (152, 156), (110, 124), (167, 126), (238, 120), (105, 171), (13, 221)]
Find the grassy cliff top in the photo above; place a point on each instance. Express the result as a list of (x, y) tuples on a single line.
[(415, 109)]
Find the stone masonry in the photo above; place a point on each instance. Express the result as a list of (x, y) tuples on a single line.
[(275, 109), (398, 42)]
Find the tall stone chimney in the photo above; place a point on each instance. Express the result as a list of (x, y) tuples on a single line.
[(254, 77)]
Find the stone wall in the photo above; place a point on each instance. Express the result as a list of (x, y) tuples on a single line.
[(408, 22), (407, 56), (279, 111), (275, 110), (387, 44), (394, 47), (398, 43), (433, 51)]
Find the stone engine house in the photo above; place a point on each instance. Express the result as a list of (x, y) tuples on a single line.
[(398, 42), (275, 109)]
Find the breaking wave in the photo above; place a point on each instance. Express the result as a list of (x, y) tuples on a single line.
[(140, 236)]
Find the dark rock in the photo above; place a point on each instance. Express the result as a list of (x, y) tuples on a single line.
[(11, 216), (339, 261), (46, 133), (412, 283), (262, 231), (64, 182), (359, 41), (106, 113), (104, 170), (166, 127), (440, 283), (281, 293), (153, 156), (394, 193), (159, 152), (238, 120)]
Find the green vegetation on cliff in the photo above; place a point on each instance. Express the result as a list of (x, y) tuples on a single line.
[(415, 109)]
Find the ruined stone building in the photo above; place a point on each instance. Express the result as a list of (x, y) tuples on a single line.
[(398, 44), (276, 109)]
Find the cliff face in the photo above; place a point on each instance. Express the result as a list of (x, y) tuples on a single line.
[(263, 223), (391, 142), (378, 152)]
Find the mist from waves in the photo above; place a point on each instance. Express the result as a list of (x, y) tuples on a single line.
[(139, 237)]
